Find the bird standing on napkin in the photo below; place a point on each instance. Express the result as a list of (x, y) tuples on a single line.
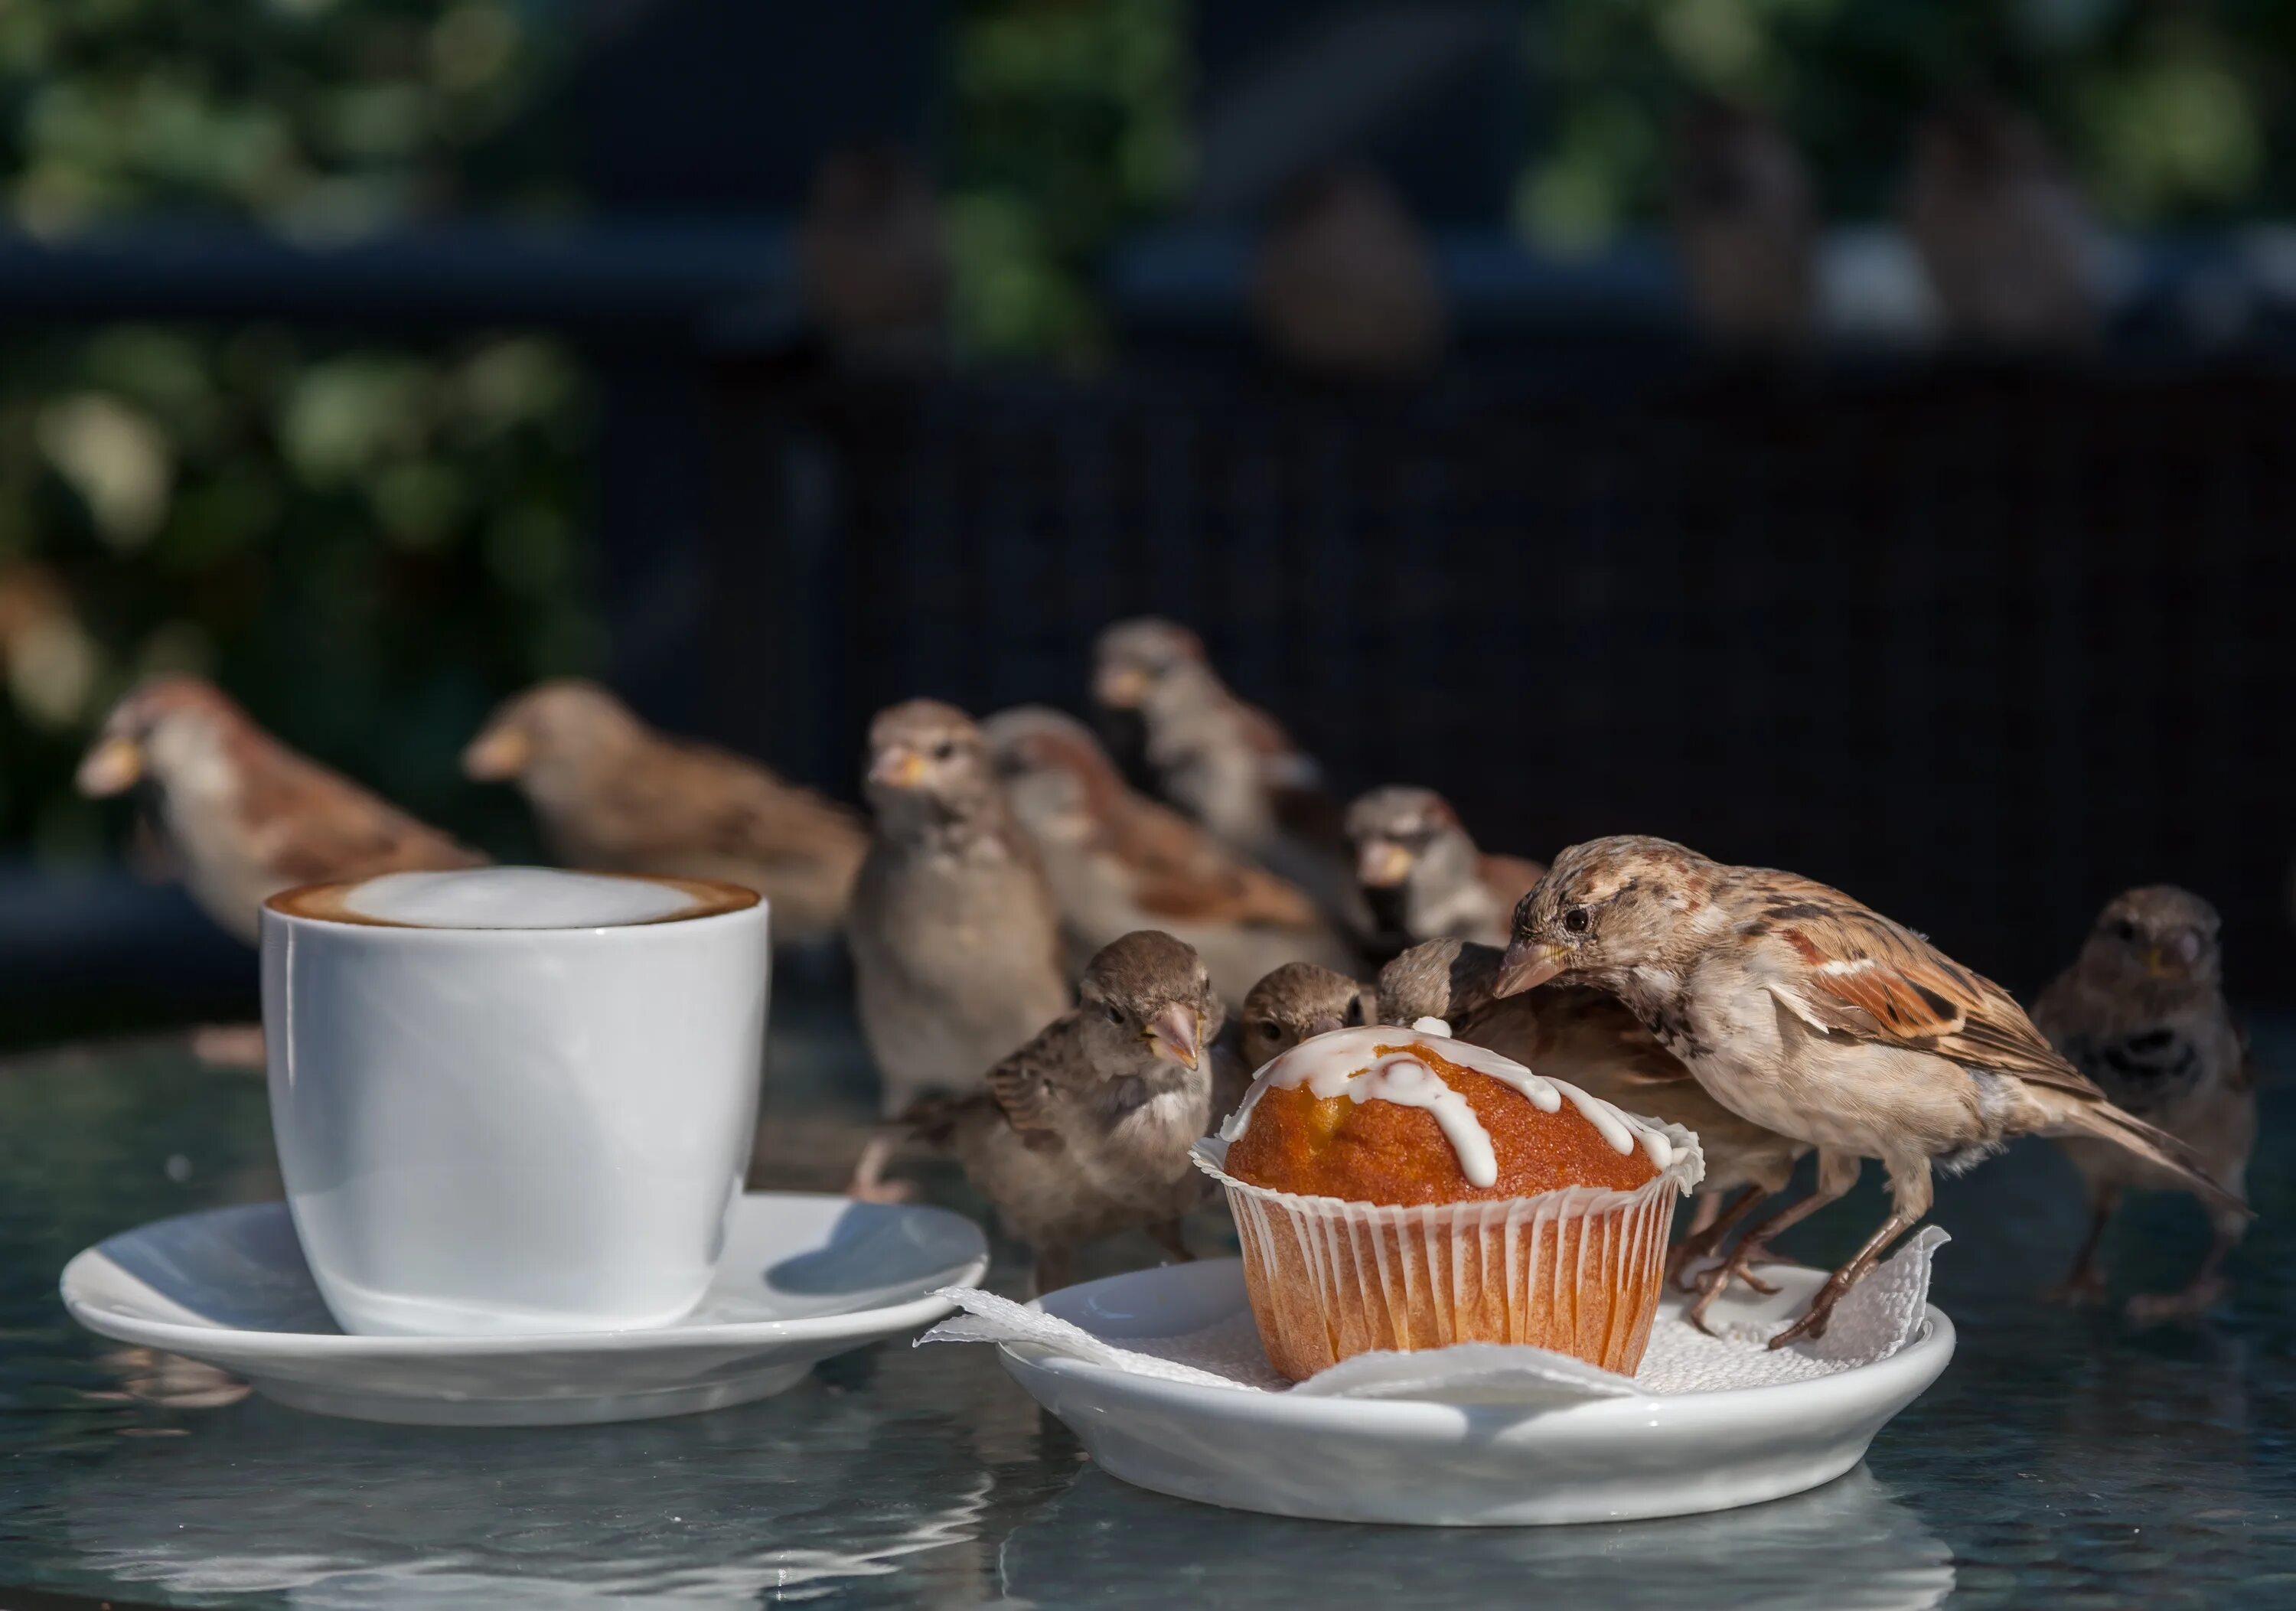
[(2142, 1011), (1223, 762), (1421, 875), (1580, 1035), (2002, 230), (955, 935), (1815, 1016), (243, 814), (1084, 1131), (1746, 228), (615, 796), (1119, 862)]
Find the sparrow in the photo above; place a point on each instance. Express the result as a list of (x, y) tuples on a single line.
[(2003, 232), (1581, 1035), (873, 260), (241, 815), (1344, 284), (955, 935), (1119, 862), (1421, 875), (1815, 1016), (1085, 1130), (1746, 228), (2141, 1012), (1222, 762), (614, 796), (1298, 1002)]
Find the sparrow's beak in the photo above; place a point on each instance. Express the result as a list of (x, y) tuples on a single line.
[(498, 755), (1325, 1025), (1172, 1035), (1526, 967), (114, 767), (1120, 687), (1383, 865), (898, 767), (2159, 964)]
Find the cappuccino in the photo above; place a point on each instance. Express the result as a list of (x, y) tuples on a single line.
[(513, 898)]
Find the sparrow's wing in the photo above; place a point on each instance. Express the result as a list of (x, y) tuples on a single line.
[(1030, 1084), (1856, 973), (308, 825), (684, 798), (1179, 872)]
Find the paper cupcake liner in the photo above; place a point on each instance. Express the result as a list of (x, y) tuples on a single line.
[(1576, 1271)]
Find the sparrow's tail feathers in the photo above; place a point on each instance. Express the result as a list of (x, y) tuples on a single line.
[(2132, 1135)]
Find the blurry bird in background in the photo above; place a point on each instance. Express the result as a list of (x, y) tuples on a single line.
[(1815, 1016), (2142, 1011), (956, 937), (1225, 762), (1345, 285), (1745, 223), (240, 815), (2001, 228), (1084, 1131), (872, 259), (614, 796), (1421, 875), (1591, 1039), (1118, 861)]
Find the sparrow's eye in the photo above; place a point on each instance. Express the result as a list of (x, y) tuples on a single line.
[(2124, 930), (1115, 1014), (1576, 920), (945, 748), (1270, 1028)]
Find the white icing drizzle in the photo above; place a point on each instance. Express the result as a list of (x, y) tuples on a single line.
[(1348, 1062)]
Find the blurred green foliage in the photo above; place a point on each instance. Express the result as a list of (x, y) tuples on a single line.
[(2169, 113), (1068, 125), (366, 541)]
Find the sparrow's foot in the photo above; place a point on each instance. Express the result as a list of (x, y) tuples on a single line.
[(1166, 1235), (2084, 1291), (1694, 1248), (2152, 1308), (1811, 1324), (869, 1184), (1715, 1279), (228, 1045)]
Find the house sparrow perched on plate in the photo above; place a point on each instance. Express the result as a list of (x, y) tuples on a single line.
[(2142, 1011), (1225, 762), (615, 796), (2001, 229), (1591, 1040), (955, 936), (872, 261), (1345, 284), (243, 814), (1745, 225), (1815, 1016), (1119, 862), (1422, 877), (1084, 1131)]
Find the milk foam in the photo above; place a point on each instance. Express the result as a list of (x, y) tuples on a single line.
[(514, 897)]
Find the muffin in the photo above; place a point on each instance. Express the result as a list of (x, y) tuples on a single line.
[(1399, 1189)]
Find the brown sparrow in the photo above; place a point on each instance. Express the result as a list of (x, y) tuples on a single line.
[(1222, 762), (1298, 1002), (2142, 1011), (1084, 1131), (1119, 862), (615, 795), (243, 814), (1746, 228), (1345, 284), (873, 263), (954, 936), (1590, 1040), (1422, 877), (2002, 231), (1812, 1015)]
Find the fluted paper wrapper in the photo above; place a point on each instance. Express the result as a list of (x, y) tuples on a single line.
[(1576, 1271)]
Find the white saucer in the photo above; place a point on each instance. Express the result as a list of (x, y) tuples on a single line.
[(1455, 1465), (804, 1277)]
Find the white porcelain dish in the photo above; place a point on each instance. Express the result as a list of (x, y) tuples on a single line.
[(804, 1277), (1447, 1464)]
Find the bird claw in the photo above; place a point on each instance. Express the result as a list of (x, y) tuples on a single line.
[(1811, 1324), (882, 1191), (2152, 1308)]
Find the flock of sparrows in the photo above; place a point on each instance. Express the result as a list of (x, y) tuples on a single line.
[(1043, 957)]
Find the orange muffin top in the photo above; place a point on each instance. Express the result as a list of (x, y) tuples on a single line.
[(1385, 1116)]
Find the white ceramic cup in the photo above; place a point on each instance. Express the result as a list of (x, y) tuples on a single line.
[(513, 1130)]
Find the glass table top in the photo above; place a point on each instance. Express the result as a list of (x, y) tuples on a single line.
[(2065, 1460)]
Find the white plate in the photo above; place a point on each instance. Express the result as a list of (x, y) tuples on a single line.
[(804, 1277), (1446, 1465)]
